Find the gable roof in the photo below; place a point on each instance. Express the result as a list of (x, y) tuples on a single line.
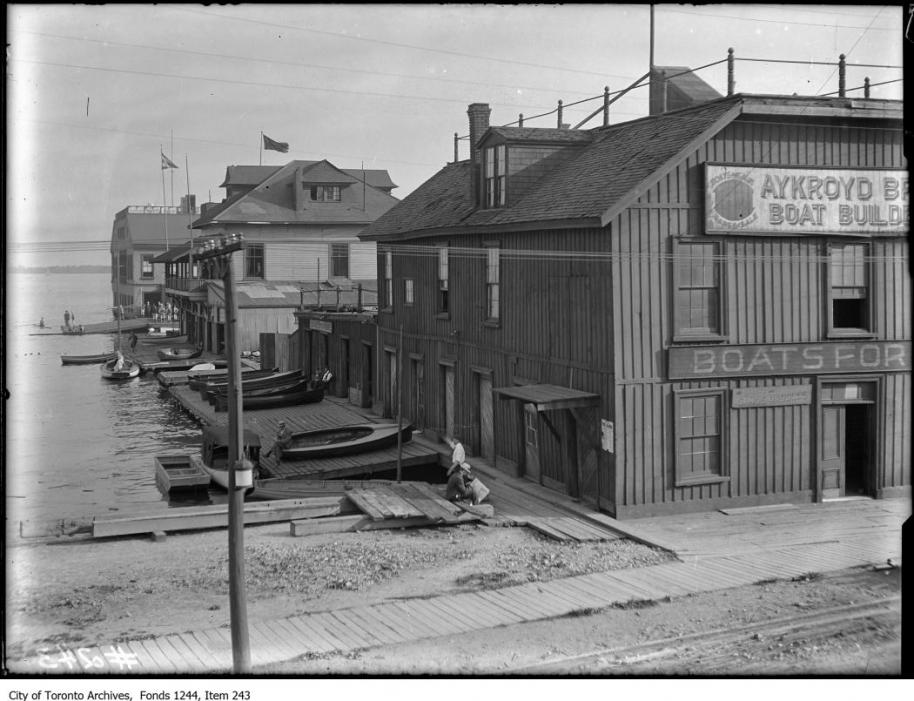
[(149, 229), (272, 201), (529, 134), (254, 175), (578, 193), (691, 85)]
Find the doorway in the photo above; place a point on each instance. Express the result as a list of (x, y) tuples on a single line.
[(847, 430)]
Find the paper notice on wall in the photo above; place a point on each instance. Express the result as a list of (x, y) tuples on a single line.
[(607, 435)]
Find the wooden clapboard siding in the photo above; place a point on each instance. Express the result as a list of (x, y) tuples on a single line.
[(894, 445), (891, 288)]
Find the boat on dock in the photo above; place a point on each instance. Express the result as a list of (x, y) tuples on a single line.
[(270, 400), (120, 369), (167, 332), (344, 440), (214, 452), (197, 379), (87, 359), (275, 381), (178, 474)]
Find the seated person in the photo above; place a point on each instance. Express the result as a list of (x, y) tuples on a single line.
[(283, 439), (458, 484)]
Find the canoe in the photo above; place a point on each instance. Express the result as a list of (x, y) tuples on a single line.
[(196, 381), (86, 359), (129, 370), (178, 474), (213, 458), (179, 353), (267, 401), (280, 379), (291, 386), (343, 440)]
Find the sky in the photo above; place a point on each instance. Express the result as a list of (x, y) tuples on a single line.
[(95, 92)]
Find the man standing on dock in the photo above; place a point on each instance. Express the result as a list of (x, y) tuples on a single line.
[(66, 318)]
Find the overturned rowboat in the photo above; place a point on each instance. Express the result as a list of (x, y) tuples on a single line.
[(344, 440)]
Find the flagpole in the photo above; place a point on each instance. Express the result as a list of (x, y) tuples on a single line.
[(164, 200), (261, 148), (171, 174)]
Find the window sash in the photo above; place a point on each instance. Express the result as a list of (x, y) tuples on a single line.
[(698, 302), (408, 291), (253, 260), (339, 260), (389, 278), (699, 432), (493, 258)]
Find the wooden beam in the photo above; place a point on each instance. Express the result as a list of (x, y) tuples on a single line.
[(194, 518), (343, 524)]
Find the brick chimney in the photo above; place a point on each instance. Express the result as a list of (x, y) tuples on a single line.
[(478, 113)]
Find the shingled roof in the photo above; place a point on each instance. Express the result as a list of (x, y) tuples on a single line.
[(582, 192), (254, 175)]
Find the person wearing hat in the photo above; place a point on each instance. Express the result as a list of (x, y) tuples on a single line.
[(283, 439), (458, 484), (458, 454)]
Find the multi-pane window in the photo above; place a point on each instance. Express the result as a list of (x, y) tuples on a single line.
[(408, 292), (443, 274), (698, 290), (146, 267), (495, 176), (492, 283), (699, 433), (848, 287), (325, 193), (253, 260), (389, 279), (339, 260)]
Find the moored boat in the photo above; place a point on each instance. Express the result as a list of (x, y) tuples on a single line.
[(119, 369), (87, 359), (343, 440), (179, 353), (178, 474), (214, 451)]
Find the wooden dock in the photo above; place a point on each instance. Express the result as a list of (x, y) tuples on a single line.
[(127, 325)]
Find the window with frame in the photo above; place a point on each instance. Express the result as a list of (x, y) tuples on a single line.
[(699, 432), (493, 302), (408, 292), (848, 290), (324, 193), (495, 175), (388, 279), (253, 260), (443, 275), (698, 308), (146, 272), (339, 260)]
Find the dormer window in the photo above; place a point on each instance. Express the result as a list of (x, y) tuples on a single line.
[(324, 193), (494, 158)]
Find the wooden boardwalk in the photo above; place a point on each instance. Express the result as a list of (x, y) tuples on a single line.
[(342, 631)]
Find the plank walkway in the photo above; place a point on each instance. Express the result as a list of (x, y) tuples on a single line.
[(341, 631)]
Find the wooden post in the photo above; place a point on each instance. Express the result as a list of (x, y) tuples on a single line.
[(606, 105), (842, 75), (520, 119), (456, 138), (358, 288), (400, 405), (731, 83), (559, 112), (241, 653), (866, 88)]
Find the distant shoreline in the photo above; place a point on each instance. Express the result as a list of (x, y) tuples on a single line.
[(65, 269)]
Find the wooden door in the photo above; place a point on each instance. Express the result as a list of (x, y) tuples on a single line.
[(449, 398), (832, 458), (393, 402), (531, 444), (367, 376), (486, 419), (418, 405)]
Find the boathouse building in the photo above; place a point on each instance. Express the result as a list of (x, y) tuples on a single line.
[(707, 307)]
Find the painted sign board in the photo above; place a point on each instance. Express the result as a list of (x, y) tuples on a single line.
[(805, 201), (770, 396), (319, 325), (788, 359)]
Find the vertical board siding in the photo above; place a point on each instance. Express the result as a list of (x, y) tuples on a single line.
[(773, 293)]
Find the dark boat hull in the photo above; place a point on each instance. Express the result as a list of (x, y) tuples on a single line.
[(270, 401), (129, 371), (86, 359), (197, 382), (332, 442), (292, 387), (282, 379)]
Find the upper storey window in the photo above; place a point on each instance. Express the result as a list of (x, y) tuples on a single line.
[(849, 290), (324, 193), (495, 180)]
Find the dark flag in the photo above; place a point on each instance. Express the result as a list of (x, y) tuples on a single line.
[(166, 162), (271, 145)]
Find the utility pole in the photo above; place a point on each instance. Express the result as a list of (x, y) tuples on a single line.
[(400, 407), (240, 469)]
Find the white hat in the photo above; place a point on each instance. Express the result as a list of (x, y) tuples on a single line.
[(465, 466)]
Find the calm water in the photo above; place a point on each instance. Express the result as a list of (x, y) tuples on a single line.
[(78, 445)]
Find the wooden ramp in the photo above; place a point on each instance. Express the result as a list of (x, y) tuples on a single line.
[(569, 529)]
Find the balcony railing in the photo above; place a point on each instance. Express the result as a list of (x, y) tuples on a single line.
[(184, 284)]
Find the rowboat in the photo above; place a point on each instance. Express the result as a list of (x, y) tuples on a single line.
[(196, 381), (179, 353), (178, 474), (165, 339), (86, 359), (128, 370), (343, 440), (279, 379), (291, 386), (268, 401), (214, 451)]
